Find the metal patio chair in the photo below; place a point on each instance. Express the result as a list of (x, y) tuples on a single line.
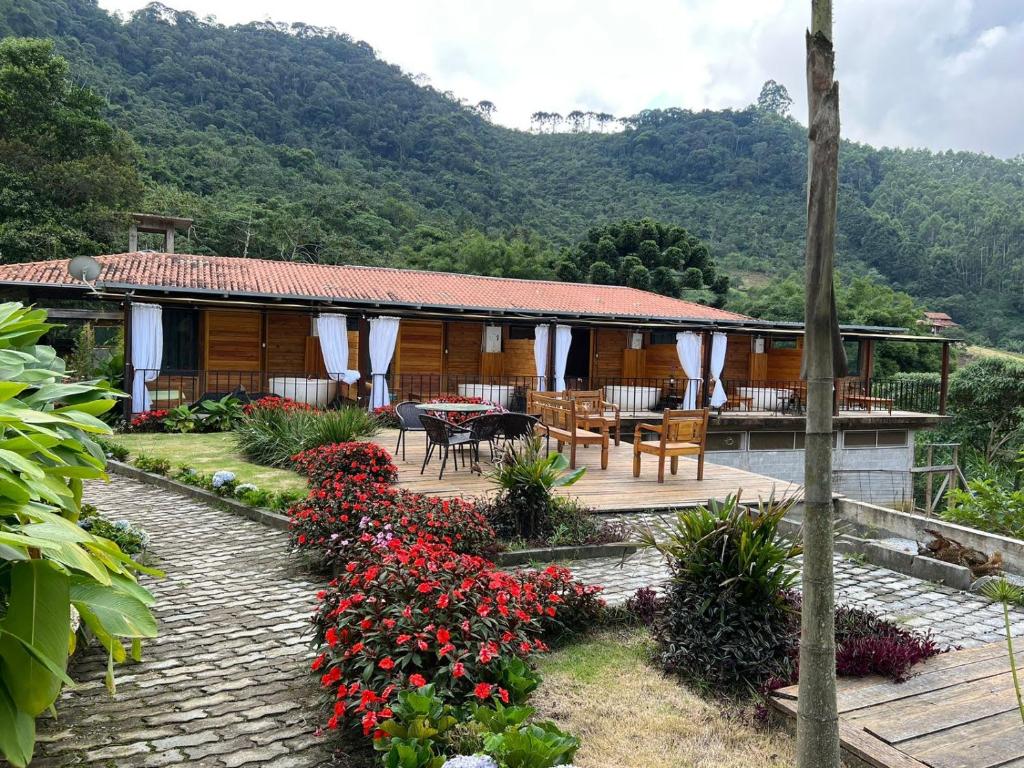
[(447, 436)]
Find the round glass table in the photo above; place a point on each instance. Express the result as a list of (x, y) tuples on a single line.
[(456, 407)]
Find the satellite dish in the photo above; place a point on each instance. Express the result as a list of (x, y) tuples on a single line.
[(84, 268)]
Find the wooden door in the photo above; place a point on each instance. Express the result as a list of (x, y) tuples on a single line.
[(233, 350)]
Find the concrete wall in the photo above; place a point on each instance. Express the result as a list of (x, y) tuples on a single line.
[(875, 475)]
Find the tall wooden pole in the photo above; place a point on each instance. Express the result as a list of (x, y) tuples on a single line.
[(817, 719)]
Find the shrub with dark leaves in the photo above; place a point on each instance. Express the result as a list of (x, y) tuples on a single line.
[(580, 606), (867, 644), (645, 606), (148, 421)]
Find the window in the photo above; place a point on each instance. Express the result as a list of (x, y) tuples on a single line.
[(773, 441), (869, 438), (852, 349), (663, 337), (520, 332), (785, 344), (724, 441), (181, 335)]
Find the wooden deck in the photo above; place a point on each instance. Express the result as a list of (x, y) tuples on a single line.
[(610, 490), (957, 711)]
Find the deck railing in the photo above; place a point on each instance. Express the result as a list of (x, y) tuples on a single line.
[(632, 394)]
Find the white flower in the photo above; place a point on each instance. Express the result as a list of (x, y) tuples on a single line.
[(470, 761), (244, 488)]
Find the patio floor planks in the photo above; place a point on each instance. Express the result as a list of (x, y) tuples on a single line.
[(959, 710), (610, 490)]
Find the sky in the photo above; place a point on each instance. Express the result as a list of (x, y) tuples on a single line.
[(941, 74)]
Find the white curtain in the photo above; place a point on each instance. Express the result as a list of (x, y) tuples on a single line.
[(688, 347), (718, 345), (563, 339), (540, 355), (333, 333), (147, 333), (383, 335)]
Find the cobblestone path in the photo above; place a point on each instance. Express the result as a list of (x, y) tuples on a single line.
[(227, 681), (227, 684)]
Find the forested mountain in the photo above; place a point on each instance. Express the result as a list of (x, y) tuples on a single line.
[(296, 142)]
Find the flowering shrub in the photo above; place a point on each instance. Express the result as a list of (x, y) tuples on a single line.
[(340, 516), (148, 421), (420, 613), (275, 403), (579, 605), (386, 415), (340, 463)]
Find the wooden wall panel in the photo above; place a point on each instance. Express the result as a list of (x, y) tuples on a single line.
[(737, 359), (420, 347), (464, 340), (286, 342), (608, 352), (232, 340), (663, 362), (784, 364), (518, 357)]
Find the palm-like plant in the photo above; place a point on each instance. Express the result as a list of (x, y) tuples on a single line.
[(48, 563), (526, 477), (1008, 594)]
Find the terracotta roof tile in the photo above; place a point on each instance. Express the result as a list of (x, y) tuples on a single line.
[(258, 277)]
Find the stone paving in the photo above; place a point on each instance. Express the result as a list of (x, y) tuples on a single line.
[(954, 617), (226, 683)]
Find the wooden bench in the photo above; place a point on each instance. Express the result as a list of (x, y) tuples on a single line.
[(558, 423), (868, 402), (681, 433), (594, 412)]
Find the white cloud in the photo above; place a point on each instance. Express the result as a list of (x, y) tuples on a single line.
[(935, 73)]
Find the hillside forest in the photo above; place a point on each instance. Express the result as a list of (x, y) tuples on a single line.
[(294, 142)]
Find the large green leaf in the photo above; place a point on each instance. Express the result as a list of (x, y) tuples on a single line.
[(121, 614), (38, 614), (17, 731)]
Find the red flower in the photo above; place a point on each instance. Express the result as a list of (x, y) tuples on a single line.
[(386, 663), (417, 680), (458, 669), (482, 691), (443, 636)]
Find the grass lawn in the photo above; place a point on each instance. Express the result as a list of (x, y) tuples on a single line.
[(209, 453), (626, 712)]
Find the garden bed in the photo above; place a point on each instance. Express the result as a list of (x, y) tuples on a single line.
[(209, 453), (628, 713)]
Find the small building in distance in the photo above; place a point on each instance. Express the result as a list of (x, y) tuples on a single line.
[(939, 322)]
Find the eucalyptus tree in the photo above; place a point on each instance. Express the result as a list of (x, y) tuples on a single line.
[(817, 718)]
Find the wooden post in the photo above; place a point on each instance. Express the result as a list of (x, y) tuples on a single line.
[(705, 368), (364, 355), (928, 486), (944, 379), (817, 713), (129, 372)]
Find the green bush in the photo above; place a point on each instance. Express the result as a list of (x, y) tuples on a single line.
[(988, 505), (152, 464), (219, 415), (726, 624), (181, 418), (525, 507), (47, 562), (114, 450), (271, 436)]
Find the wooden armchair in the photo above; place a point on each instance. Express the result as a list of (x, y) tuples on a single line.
[(681, 433), (594, 412), (558, 422)]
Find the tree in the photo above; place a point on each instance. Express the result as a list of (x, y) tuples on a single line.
[(601, 273), (774, 98), (64, 169), (817, 715), (486, 109)]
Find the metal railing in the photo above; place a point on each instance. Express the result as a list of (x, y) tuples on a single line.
[(633, 395)]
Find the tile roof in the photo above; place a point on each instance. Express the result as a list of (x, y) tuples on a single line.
[(261, 278)]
